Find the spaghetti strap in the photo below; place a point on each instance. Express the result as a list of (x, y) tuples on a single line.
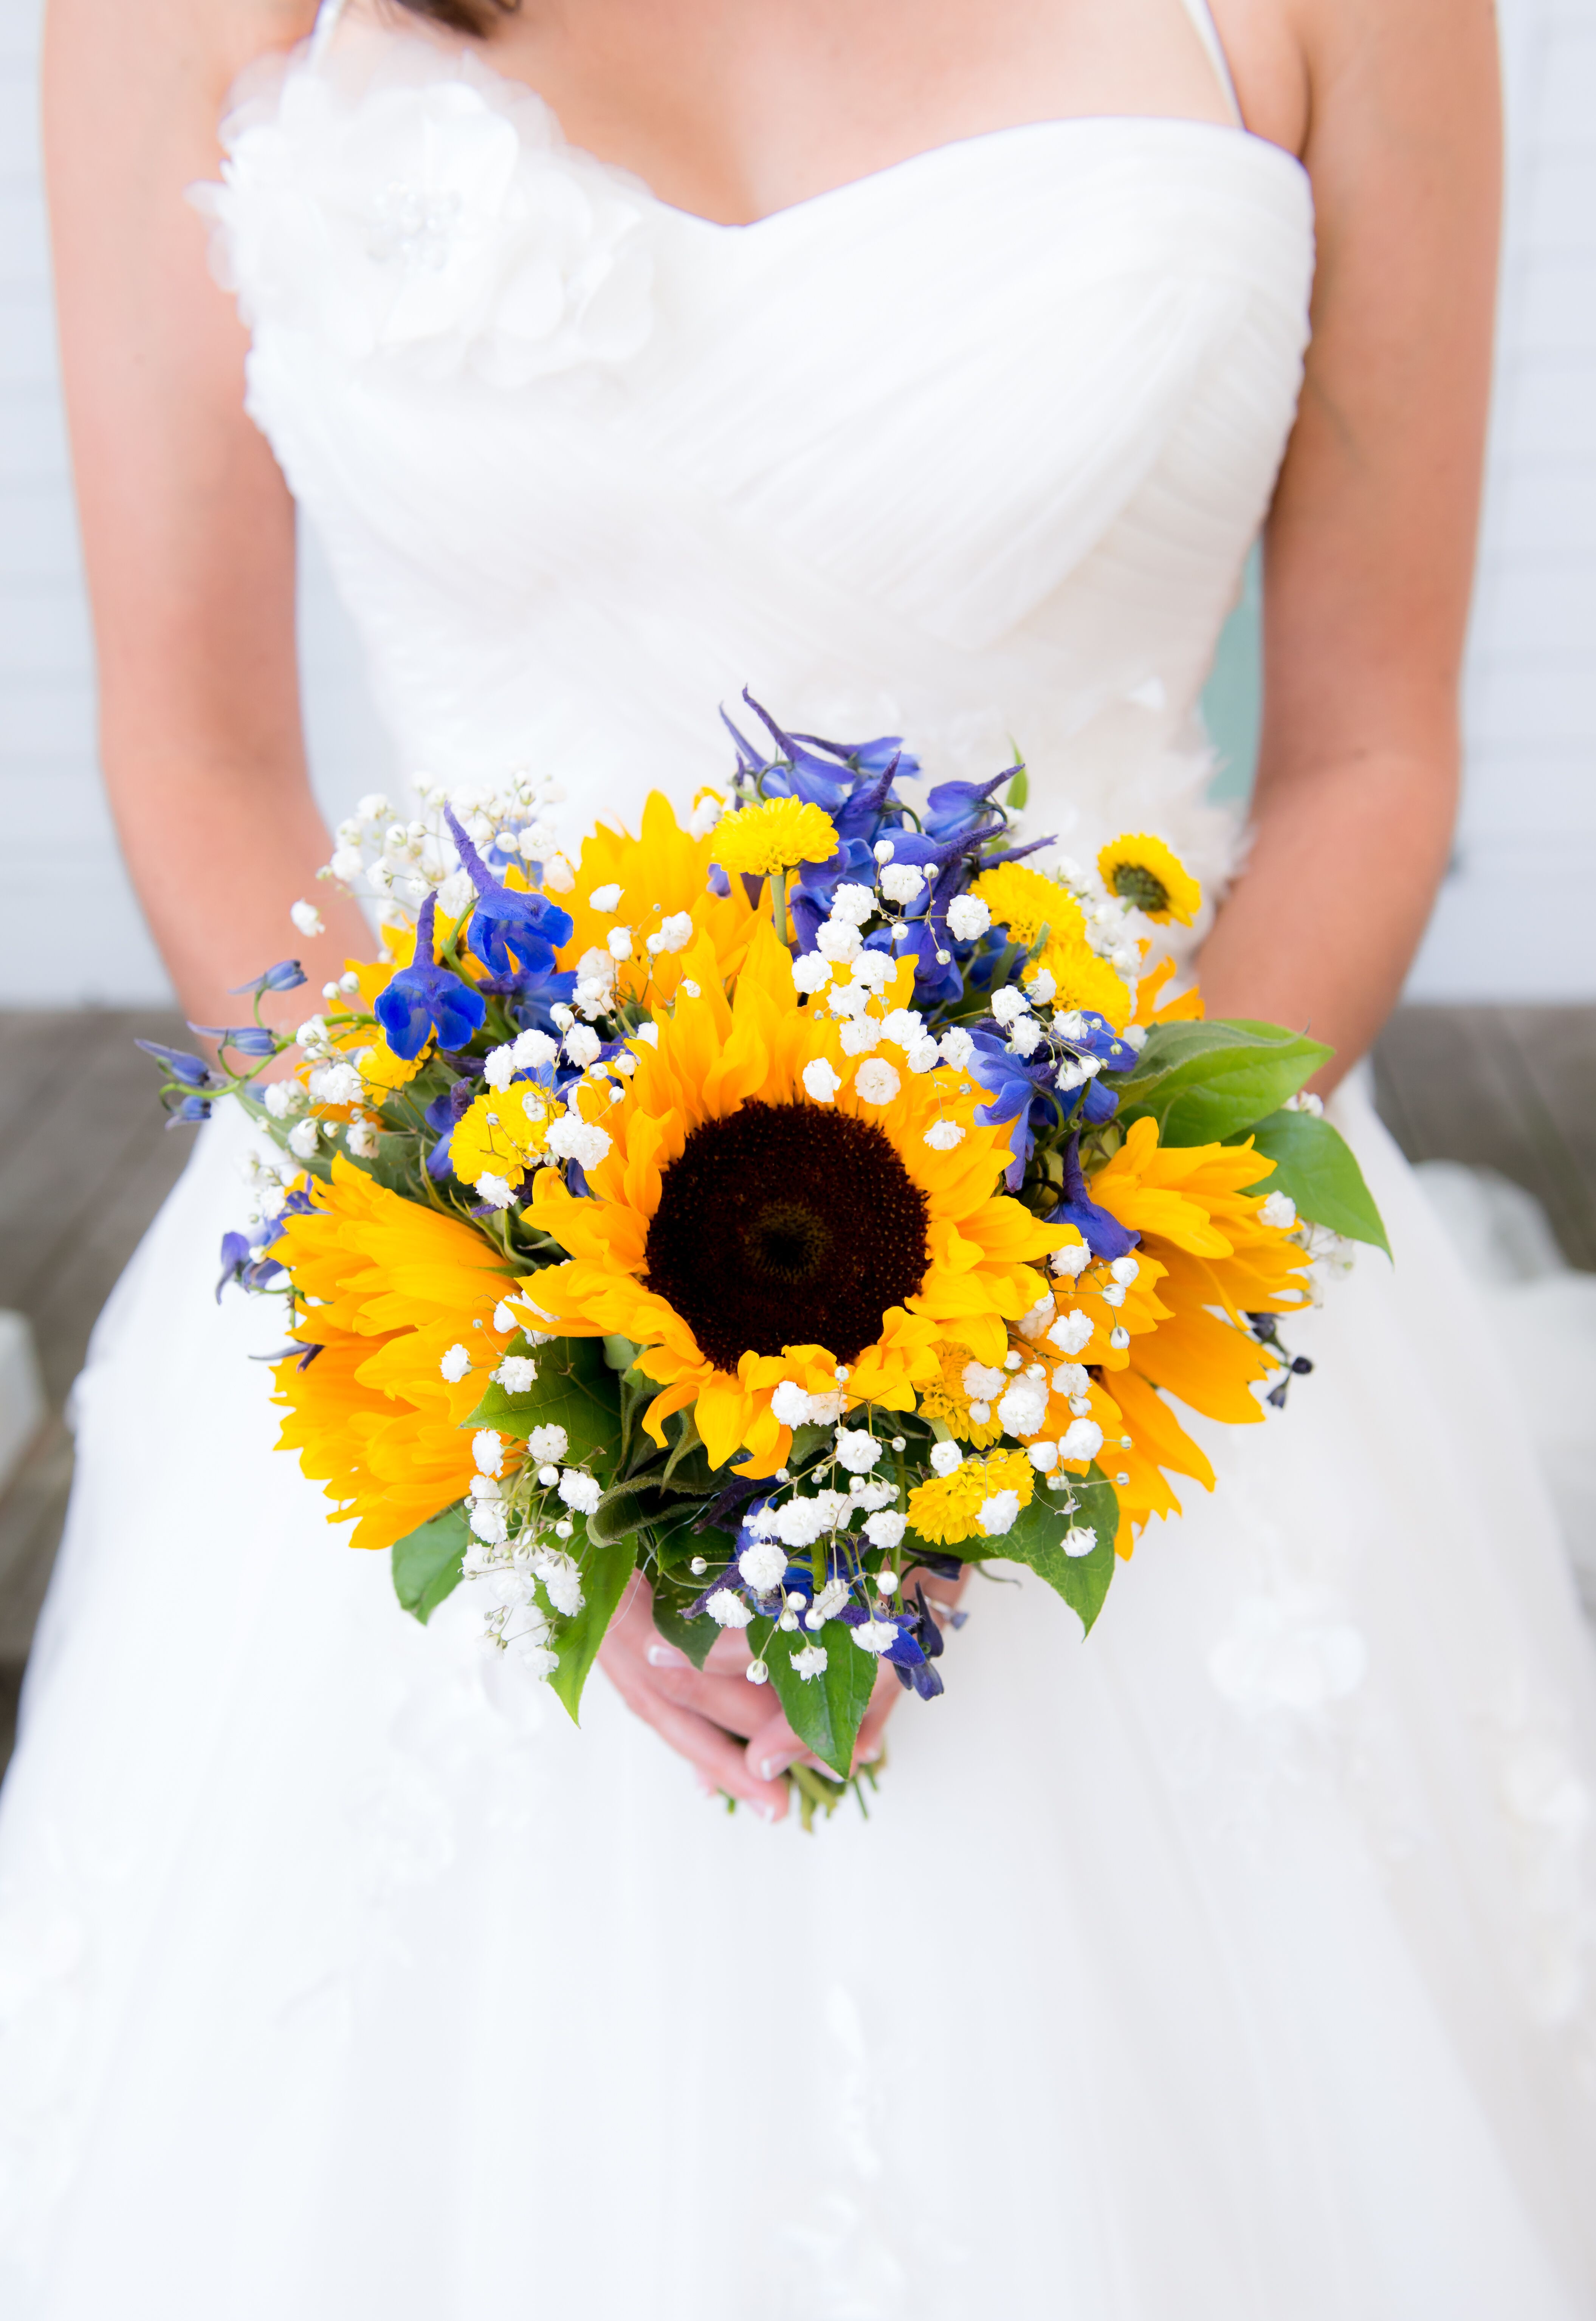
[(326, 24), (1208, 33)]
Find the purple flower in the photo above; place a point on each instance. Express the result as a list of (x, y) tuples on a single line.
[(1020, 1095), (249, 1039), (515, 936), (1103, 1235), (192, 1071), (288, 975), (423, 998)]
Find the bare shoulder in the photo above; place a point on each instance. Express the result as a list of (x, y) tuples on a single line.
[(140, 77), (1317, 73)]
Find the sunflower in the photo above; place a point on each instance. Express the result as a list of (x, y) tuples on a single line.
[(1205, 1262), (657, 887), (947, 1508), (376, 1413), (767, 1208), (1025, 903), (1143, 872), (776, 834)]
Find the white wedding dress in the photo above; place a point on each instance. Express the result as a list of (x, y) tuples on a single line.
[(1235, 1965)]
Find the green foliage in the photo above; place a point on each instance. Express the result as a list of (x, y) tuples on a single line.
[(574, 1388), (605, 1572), (1035, 1541), (826, 1711), (1318, 1169), (1205, 1082), (673, 1544), (427, 1563), (1018, 792)]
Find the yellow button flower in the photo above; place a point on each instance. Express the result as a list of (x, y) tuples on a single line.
[(776, 835), (947, 1508)]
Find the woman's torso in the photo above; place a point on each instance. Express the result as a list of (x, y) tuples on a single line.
[(972, 447)]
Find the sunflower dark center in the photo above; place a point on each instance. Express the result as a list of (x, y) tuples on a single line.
[(786, 1226), (1135, 884)]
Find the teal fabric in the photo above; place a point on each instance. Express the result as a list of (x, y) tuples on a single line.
[(1233, 697)]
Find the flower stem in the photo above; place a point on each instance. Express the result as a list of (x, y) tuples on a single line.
[(779, 903)]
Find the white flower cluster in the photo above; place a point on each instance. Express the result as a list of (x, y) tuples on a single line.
[(268, 1174), (511, 1575), (400, 860)]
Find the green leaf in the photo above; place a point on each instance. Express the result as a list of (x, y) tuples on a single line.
[(605, 1572), (673, 1545), (427, 1563), (694, 1637), (1018, 792), (1314, 1163), (1204, 1082), (1035, 1541), (826, 1711), (574, 1388)]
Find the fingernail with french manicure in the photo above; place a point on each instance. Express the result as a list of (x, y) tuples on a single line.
[(666, 1656), (773, 1767)]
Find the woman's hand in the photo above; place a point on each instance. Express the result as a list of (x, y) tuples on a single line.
[(731, 1732)]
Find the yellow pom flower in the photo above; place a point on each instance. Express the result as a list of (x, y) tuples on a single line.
[(775, 836), (1143, 871), (1081, 980), (769, 1211), (502, 1134), (947, 1508), (944, 1398), (1025, 902)]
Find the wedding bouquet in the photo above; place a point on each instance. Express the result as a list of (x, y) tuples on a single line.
[(784, 1206)]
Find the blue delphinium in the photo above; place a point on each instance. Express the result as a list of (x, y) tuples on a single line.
[(1103, 1235), (514, 935), (423, 998)]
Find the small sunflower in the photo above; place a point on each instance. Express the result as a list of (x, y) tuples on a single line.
[(1206, 1262), (1144, 872), (1025, 902), (768, 1209), (775, 836), (947, 1508), (376, 1415)]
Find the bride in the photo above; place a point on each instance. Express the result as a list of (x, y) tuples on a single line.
[(928, 367)]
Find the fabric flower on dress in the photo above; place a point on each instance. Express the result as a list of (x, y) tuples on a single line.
[(439, 222)]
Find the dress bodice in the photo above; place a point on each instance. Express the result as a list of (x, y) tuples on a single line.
[(972, 448)]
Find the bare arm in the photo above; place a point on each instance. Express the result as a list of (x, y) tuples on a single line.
[(188, 528), (1369, 552)]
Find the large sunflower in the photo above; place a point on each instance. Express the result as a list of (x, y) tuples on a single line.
[(643, 885), (770, 1209), (376, 1412)]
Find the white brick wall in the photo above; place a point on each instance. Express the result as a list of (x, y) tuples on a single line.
[(1515, 918)]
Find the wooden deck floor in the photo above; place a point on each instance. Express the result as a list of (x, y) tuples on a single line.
[(85, 1162)]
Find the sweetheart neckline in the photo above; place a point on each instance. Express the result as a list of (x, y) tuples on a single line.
[(523, 92)]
